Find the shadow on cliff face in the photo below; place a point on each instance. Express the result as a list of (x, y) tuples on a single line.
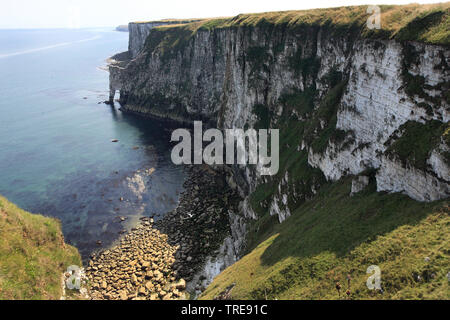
[(151, 131)]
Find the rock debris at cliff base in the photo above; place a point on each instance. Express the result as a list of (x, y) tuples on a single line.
[(156, 260)]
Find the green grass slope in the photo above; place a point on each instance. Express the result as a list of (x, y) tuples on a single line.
[(33, 254), (335, 235)]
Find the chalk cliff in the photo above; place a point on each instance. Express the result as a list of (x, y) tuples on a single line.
[(140, 30), (348, 100)]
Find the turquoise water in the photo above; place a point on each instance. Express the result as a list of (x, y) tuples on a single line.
[(56, 154)]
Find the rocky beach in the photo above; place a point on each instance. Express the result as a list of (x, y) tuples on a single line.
[(164, 259)]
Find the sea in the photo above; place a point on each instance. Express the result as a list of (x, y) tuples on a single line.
[(57, 157)]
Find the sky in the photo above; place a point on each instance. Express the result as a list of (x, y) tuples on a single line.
[(16, 14)]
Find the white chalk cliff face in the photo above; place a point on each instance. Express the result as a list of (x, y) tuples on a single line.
[(139, 32), (375, 105), (220, 75)]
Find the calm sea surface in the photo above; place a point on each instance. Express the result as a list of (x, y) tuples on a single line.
[(56, 154)]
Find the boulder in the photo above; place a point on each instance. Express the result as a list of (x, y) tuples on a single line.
[(181, 284), (149, 285), (142, 290)]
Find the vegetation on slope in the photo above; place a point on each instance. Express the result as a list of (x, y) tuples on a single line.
[(335, 235), (417, 141), (33, 254), (331, 234)]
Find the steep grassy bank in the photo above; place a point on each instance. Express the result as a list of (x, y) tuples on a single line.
[(334, 235), (33, 254)]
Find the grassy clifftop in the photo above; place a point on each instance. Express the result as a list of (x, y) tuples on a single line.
[(33, 254), (334, 235), (426, 23)]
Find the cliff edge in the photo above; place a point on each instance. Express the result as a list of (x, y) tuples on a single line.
[(33, 255)]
